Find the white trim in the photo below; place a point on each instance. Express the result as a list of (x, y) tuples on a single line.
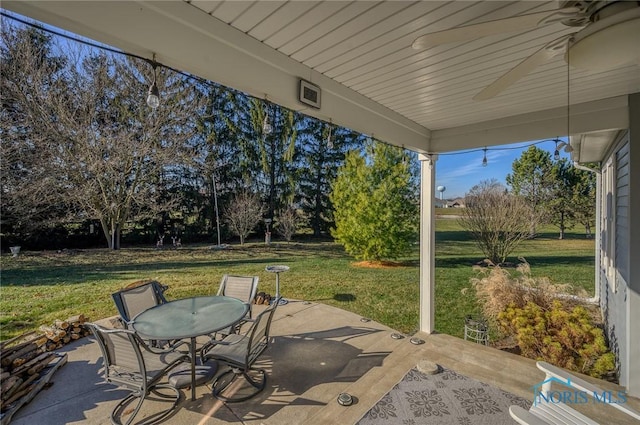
[(608, 113)]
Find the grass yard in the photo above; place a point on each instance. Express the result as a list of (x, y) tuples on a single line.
[(39, 287)]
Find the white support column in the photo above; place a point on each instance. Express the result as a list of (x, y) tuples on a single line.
[(427, 242)]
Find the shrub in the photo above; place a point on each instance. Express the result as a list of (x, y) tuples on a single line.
[(497, 289), (498, 221), (564, 337)]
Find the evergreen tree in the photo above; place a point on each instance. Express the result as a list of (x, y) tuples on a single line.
[(560, 205), (322, 149), (376, 210), (584, 199), (218, 158), (267, 135), (532, 179)]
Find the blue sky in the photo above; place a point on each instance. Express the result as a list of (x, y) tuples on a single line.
[(460, 171)]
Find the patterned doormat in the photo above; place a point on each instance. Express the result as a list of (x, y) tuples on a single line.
[(445, 398)]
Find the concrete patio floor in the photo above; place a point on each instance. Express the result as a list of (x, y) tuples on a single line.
[(317, 352)]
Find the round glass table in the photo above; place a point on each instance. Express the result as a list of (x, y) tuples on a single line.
[(189, 318)]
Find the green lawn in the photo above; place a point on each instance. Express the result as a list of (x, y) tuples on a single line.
[(39, 287)]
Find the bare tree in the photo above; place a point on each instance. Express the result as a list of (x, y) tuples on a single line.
[(243, 214), (287, 223), (99, 151), (498, 220)]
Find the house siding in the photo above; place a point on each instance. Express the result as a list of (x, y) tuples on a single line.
[(622, 212), (614, 266), (619, 249)]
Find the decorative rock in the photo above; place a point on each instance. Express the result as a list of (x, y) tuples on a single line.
[(427, 367)]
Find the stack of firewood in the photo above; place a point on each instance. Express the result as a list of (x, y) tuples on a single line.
[(28, 362), (62, 332)]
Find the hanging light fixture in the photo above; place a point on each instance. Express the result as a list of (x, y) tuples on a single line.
[(556, 153), (329, 138), (484, 158), (153, 96), (559, 145), (267, 128)]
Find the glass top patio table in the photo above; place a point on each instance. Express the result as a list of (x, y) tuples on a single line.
[(189, 317)]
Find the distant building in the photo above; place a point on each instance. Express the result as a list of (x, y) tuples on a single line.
[(456, 203)]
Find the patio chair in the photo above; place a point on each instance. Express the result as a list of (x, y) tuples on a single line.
[(129, 363), (243, 288), (137, 298), (240, 352), (554, 411)]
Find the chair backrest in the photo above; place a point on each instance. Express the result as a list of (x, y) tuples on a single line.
[(123, 360), (132, 301), (241, 287), (259, 334)]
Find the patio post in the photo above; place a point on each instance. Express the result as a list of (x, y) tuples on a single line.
[(427, 241)]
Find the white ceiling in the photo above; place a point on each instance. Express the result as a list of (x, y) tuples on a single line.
[(359, 53)]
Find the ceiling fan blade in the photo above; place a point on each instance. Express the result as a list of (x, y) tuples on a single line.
[(543, 55), (499, 26)]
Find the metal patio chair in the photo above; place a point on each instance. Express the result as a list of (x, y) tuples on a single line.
[(240, 352), (138, 297), (130, 364), (243, 288)]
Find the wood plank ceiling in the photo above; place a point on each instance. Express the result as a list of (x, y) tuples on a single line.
[(366, 46)]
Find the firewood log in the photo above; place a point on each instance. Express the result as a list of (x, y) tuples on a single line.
[(4, 344), (31, 363), (28, 381), (61, 324), (12, 382), (16, 396), (76, 319), (41, 365), (7, 360), (53, 333)]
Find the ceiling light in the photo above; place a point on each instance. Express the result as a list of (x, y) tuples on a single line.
[(484, 158), (607, 44)]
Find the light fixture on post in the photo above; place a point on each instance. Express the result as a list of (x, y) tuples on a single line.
[(267, 128), (153, 96), (484, 158)]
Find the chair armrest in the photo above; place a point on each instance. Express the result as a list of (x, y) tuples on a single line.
[(210, 344), (172, 346), (582, 385), (524, 417)]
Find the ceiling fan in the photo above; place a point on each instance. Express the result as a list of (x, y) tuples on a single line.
[(609, 37)]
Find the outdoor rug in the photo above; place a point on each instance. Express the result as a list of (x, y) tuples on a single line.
[(445, 398)]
